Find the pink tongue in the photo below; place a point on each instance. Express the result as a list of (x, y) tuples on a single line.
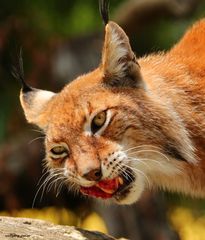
[(109, 185), (95, 192), (103, 189)]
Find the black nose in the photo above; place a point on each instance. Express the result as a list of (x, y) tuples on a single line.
[(93, 175)]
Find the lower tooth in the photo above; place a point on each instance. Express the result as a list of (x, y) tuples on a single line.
[(120, 181), (108, 191)]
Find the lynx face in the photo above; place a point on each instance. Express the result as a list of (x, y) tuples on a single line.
[(107, 135), (92, 143)]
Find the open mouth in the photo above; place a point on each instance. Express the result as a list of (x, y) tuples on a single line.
[(109, 188)]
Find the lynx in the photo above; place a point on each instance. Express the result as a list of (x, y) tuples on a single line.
[(129, 125)]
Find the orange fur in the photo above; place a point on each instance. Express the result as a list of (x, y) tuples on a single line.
[(156, 117)]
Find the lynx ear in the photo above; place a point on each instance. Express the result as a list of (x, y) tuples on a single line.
[(119, 63), (34, 103)]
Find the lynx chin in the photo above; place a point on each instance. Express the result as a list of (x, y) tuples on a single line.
[(129, 125)]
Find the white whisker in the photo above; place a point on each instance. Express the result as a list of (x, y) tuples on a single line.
[(38, 131), (138, 160), (154, 151), (135, 170), (33, 140), (141, 146), (143, 160), (50, 179)]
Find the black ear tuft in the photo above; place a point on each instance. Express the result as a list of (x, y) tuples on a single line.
[(18, 72), (104, 10)]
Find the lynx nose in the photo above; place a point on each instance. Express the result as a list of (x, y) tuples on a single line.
[(93, 175)]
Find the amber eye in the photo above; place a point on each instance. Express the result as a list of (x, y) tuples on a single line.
[(98, 121), (59, 151)]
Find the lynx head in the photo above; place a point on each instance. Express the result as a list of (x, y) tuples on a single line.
[(105, 133)]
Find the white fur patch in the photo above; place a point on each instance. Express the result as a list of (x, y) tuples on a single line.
[(33, 102), (41, 98)]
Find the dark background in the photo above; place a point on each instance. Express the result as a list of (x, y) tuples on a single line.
[(60, 40)]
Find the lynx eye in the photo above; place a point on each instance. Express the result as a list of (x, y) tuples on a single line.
[(59, 151), (98, 121)]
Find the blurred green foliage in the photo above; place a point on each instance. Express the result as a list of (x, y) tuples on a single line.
[(50, 17), (162, 34)]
